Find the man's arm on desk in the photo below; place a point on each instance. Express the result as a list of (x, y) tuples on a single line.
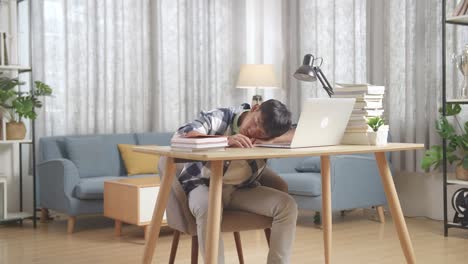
[(285, 138)]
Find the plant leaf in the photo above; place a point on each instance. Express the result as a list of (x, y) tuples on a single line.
[(432, 158), (451, 109)]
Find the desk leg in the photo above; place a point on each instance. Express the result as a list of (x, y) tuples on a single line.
[(395, 207), (326, 207), (160, 206), (214, 212)]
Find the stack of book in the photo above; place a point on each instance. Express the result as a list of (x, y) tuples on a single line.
[(461, 9), (199, 143), (368, 104)]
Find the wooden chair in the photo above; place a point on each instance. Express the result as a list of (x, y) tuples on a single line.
[(181, 219)]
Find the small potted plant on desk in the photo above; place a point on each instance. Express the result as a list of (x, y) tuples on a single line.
[(457, 144), (17, 105), (379, 133)]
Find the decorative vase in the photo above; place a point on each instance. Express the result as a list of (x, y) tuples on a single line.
[(461, 173), (378, 138), (15, 131)]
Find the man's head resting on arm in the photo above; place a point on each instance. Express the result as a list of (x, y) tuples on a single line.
[(265, 121)]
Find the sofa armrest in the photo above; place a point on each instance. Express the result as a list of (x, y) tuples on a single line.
[(356, 182), (57, 179)]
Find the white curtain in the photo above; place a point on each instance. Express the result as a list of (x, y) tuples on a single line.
[(411, 68), (333, 30), (95, 56), (126, 65)]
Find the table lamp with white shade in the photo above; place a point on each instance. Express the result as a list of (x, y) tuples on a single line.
[(257, 76)]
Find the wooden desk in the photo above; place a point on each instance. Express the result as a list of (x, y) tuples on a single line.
[(216, 181)]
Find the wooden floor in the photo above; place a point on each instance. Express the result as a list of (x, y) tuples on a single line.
[(355, 240)]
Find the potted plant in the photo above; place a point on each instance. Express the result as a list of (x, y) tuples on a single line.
[(457, 144), (379, 133), (17, 105)]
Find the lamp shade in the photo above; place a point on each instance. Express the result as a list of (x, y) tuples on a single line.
[(306, 72), (257, 76)]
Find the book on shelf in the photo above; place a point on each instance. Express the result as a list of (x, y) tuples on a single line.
[(358, 89), (4, 49)]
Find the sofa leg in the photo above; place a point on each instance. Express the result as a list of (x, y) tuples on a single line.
[(146, 230), (44, 215), (118, 228), (71, 224), (317, 218), (380, 212)]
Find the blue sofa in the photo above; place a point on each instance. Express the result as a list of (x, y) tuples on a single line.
[(355, 182), (72, 170)]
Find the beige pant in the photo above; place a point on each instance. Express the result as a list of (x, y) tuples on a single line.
[(259, 200)]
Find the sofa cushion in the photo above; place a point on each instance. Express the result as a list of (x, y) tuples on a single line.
[(138, 162), (116, 165), (305, 184), (309, 164), (51, 148), (89, 156), (93, 188), (153, 138)]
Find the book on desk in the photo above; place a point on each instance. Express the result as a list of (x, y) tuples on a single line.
[(199, 143)]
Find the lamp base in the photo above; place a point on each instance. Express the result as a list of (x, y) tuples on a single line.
[(256, 99)]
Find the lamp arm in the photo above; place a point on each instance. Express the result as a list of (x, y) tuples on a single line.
[(318, 72)]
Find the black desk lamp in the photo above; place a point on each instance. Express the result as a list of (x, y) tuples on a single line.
[(310, 72)]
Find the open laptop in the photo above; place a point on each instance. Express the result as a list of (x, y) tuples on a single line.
[(322, 123)]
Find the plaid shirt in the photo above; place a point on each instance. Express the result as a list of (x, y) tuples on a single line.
[(219, 121)]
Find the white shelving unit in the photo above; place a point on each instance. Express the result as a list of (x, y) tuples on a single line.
[(20, 68), (449, 180), (457, 101), (9, 24), (457, 182)]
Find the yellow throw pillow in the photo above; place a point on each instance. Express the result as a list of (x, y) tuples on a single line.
[(138, 162)]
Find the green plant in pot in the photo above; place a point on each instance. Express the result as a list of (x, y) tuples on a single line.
[(16, 105), (380, 131), (457, 144)]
